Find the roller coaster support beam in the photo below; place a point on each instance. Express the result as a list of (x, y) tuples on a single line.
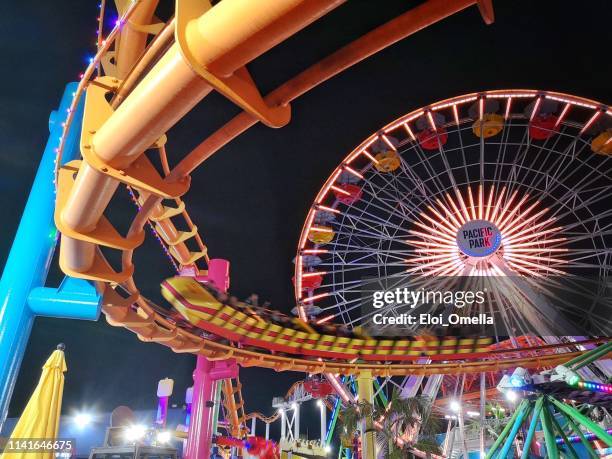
[(22, 291), (414, 20), (133, 37), (211, 51), (218, 391), (206, 382), (205, 375), (365, 393)]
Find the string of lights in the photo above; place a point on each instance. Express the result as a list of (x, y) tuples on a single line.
[(102, 45), (593, 386), (84, 80), (590, 436), (100, 31)]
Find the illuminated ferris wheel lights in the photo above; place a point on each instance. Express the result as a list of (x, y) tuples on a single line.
[(588, 124), (441, 219), (314, 273), (562, 115), (508, 104), (431, 121), (353, 171), (372, 158), (325, 319), (532, 228), (437, 251), (340, 190), (534, 265), (536, 107), (321, 229), (530, 242), (439, 222), (388, 142), (315, 251), (409, 131), (328, 209), (310, 299)]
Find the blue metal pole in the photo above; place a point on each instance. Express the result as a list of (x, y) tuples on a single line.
[(32, 251), (526, 409)]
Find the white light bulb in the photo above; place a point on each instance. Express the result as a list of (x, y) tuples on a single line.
[(163, 437), (82, 420), (135, 432), (455, 406), (511, 396)]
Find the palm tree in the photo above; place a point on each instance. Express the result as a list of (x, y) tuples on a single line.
[(493, 424), (409, 419)]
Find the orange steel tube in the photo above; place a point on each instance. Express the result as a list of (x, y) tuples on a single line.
[(165, 95), (132, 42), (307, 12), (160, 44), (401, 27)]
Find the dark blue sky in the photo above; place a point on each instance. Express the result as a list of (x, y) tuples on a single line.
[(250, 199)]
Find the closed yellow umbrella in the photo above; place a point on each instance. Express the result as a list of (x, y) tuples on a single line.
[(40, 418)]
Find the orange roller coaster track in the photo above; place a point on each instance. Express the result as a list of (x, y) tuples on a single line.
[(201, 49)]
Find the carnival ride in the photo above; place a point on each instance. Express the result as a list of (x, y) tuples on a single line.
[(532, 166)]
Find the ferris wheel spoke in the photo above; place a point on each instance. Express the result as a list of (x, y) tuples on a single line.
[(425, 161), (387, 208), (586, 170), (602, 194), (362, 233), (370, 220), (578, 188), (577, 310), (356, 287), (514, 170), (535, 158), (392, 180), (501, 153), (571, 285)]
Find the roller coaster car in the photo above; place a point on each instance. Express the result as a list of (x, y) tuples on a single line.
[(318, 387), (279, 333)]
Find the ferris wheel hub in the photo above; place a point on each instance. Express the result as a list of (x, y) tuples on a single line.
[(478, 238)]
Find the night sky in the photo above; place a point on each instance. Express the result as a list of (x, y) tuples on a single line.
[(250, 199)]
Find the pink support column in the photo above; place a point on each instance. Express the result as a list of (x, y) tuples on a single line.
[(200, 424), (204, 377)]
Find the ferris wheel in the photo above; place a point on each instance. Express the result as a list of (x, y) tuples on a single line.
[(507, 184)]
